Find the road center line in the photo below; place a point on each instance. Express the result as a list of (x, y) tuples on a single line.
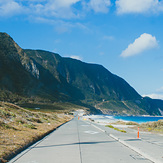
[(79, 141)]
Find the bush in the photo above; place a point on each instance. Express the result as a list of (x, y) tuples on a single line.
[(117, 129), (31, 126), (160, 123), (37, 120), (131, 123), (13, 114), (20, 121), (4, 113), (120, 130), (109, 126), (5, 125), (149, 129)]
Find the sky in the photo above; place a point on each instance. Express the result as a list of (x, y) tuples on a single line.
[(125, 36)]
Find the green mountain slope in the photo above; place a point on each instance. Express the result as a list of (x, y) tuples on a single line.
[(19, 75), (46, 76), (13, 76), (93, 81)]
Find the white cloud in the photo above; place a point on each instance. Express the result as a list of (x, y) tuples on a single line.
[(67, 9), (136, 6), (101, 53), (76, 57), (60, 26), (64, 3), (154, 96), (141, 44), (101, 6), (108, 38), (160, 90), (9, 8), (55, 8), (157, 95), (46, 8)]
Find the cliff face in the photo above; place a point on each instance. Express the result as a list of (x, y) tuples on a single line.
[(38, 73), (19, 74), (13, 76), (93, 81)]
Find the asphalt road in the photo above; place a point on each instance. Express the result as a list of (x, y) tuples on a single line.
[(79, 142)]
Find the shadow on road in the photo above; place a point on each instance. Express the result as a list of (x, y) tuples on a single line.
[(88, 143), (133, 140)]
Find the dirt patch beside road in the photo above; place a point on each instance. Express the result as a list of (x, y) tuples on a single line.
[(20, 128)]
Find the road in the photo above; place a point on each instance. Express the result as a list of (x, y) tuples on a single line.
[(79, 142)]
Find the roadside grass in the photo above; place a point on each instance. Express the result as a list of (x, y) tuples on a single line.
[(125, 123), (20, 127), (154, 127), (117, 129)]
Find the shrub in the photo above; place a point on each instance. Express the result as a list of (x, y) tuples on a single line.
[(5, 125), (4, 113), (160, 123), (117, 129), (37, 120), (13, 114), (109, 126), (120, 130), (20, 121), (131, 123), (31, 126), (149, 129)]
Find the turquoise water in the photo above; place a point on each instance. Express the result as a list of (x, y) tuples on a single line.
[(138, 119)]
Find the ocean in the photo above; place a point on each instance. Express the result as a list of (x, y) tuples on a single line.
[(104, 119), (138, 119)]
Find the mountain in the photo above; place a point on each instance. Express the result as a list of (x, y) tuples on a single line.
[(94, 82), (42, 76), (20, 75)]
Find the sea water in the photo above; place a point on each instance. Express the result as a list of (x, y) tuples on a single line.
[(104, 119), (139, 119)]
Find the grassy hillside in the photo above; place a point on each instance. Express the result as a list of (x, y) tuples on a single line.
[(20, 127), (80, 80), (144, 106)]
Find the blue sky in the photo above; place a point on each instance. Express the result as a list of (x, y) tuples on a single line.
[(125, 36)]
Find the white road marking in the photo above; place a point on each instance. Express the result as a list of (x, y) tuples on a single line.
[(91, 132)]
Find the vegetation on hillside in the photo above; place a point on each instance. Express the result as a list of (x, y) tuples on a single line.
[(129, 107)]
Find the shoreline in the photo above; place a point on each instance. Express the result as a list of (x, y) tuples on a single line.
[(155, 127), (137, 119)]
